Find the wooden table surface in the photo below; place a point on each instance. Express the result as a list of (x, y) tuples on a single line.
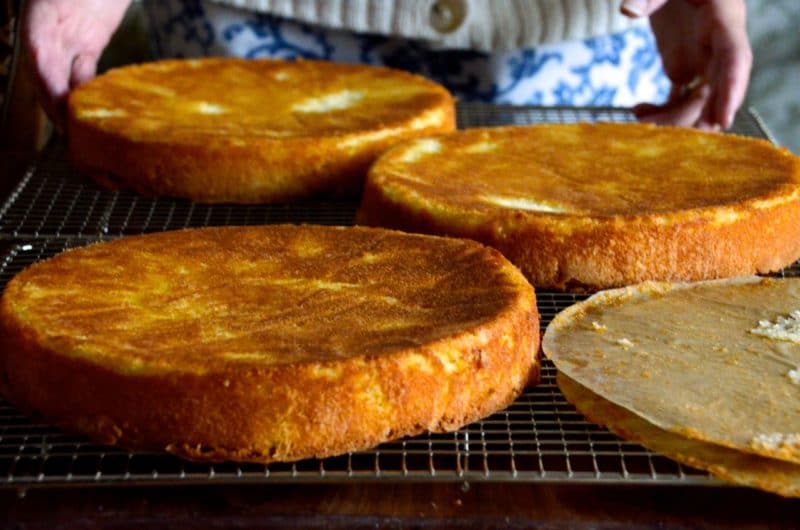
[(399, 505)]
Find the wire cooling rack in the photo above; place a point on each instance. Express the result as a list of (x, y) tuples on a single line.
[(540, 437)]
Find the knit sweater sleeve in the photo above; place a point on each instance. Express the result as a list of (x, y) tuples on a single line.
[(483, 25)]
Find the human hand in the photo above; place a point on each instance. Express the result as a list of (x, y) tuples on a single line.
[(706, 54), (64, 39)]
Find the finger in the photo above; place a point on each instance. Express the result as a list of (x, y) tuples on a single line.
[(682, 113), (50, 70), (54, 108), (84, 67), (640, 8), (50, 76), (730, 65), (676, 93)]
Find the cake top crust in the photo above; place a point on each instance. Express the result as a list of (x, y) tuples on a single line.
[(588, 170), (219, 298), (184, 100)]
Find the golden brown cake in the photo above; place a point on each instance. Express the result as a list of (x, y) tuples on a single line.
[(587, 206), (236, 130), (268, 343), (715, 361)]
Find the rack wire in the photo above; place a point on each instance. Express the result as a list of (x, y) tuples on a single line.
[(540, 437)]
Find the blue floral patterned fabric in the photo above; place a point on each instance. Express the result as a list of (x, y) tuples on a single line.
[(614, 70)]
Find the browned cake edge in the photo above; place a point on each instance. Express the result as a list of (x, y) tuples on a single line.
[(243, 171), (277, 413), (614, 251)]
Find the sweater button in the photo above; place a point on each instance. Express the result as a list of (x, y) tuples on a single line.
[(447, 15)]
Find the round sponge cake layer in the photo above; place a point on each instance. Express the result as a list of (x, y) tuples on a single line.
[(235, 130), (715, 361), (268, 343), (598, 205)]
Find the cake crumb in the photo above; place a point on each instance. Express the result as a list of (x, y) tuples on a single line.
[(794, 376), (776, 441), (625, 343), (784, 328), (597, 326)]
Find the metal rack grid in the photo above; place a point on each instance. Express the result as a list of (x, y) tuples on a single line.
[(540, 437)]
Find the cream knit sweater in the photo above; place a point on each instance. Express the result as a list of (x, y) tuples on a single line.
[(484, 25)]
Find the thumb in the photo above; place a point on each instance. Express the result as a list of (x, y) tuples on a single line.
[(640, 8), (84, 66)]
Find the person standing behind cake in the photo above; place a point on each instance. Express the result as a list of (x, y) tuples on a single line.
[(690, 66)]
